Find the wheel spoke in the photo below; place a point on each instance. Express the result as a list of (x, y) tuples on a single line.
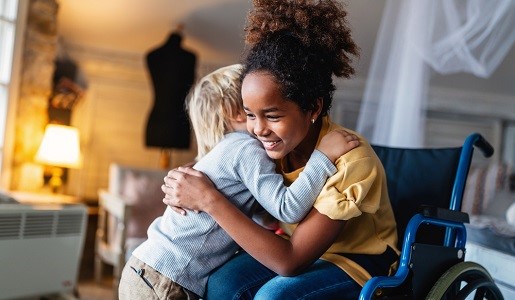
[(475, 277)]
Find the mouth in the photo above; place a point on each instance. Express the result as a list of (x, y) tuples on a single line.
[(269, 145)]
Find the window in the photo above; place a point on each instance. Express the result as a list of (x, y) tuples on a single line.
[(8, 17)]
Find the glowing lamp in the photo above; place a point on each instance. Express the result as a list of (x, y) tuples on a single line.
[(59, 149)]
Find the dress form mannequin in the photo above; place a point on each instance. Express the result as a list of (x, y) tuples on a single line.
[(172, 71)]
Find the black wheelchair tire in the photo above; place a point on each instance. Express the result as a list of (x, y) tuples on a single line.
[(461, 280)]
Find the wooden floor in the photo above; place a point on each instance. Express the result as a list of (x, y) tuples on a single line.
[(88, 288), (91, 290)]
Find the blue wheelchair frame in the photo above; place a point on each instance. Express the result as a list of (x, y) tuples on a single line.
[(455, 232)]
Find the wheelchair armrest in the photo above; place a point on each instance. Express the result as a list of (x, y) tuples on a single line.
[(434, 217), (444, 214)]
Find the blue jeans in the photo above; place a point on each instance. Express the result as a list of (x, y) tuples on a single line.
[(245, 278)]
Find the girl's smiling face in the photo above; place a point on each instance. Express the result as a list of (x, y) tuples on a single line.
[(277, 122)]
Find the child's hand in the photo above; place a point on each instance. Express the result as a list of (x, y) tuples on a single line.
[(336, 143)]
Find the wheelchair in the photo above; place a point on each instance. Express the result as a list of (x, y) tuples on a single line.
[(426, 188)]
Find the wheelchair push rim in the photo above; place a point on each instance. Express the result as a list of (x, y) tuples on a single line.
[(462, 280)]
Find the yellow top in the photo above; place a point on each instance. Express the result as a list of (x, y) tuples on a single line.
[(358, 194)]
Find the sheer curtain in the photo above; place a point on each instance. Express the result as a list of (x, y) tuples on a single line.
[(415, 37)]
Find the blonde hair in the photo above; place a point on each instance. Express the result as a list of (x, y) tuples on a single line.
[(214, 100)]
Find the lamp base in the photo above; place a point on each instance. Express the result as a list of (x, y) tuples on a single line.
[(56, 181)]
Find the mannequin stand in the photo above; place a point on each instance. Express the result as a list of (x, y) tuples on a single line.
[(166, 159)]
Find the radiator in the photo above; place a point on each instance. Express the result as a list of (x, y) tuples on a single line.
[(40, 249)]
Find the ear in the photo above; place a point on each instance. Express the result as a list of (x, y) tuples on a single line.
[(241, 117), (239, 122), (317, 109)]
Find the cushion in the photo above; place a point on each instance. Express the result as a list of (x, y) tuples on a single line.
[(482, 186), (144, 194), (499, 204), (474, 190), (140, 187)]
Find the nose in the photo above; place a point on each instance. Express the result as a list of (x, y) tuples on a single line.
[(260, 127)]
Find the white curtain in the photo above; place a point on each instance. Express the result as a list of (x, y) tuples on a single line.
[(415, 37)]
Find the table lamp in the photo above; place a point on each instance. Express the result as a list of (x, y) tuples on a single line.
[(59, 149)]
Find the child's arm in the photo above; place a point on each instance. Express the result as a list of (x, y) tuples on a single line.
[(287, 204), (291, 204)]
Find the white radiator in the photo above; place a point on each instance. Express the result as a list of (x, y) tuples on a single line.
[(40, 249)]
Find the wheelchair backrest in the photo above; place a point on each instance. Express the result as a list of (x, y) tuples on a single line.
[(417, 177)]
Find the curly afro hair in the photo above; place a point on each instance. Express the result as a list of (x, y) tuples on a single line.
[(302, 43)]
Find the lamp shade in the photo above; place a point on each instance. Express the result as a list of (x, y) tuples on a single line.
[(60, 147)]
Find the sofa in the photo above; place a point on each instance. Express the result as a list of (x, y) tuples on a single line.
[(489, 199), (140, 189)]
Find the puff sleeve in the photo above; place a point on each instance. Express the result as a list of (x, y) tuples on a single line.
[(353, 190)]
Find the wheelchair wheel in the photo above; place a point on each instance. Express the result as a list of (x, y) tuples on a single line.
[(461, 280)]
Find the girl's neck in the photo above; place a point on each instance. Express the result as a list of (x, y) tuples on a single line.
[(299, 157)]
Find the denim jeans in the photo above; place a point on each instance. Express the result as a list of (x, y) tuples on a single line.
[(245, 278)]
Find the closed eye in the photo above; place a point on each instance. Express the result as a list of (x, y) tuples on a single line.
[(273, 117)]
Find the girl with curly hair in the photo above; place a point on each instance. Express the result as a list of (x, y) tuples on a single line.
[(295, 48)]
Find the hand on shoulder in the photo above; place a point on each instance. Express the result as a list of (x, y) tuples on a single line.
[(337, 142)]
